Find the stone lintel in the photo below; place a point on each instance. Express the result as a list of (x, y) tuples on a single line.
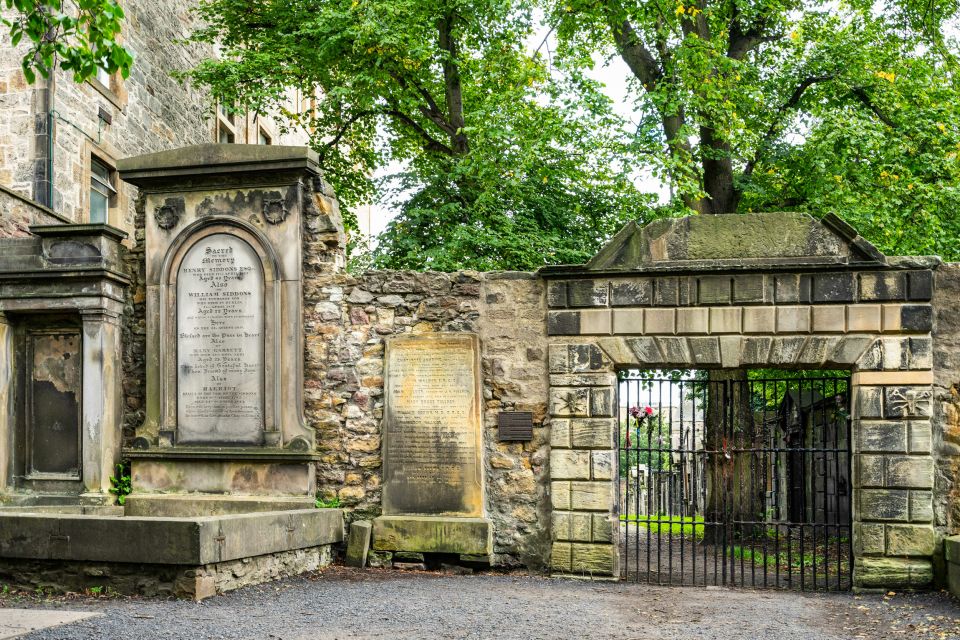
[(433, 534)]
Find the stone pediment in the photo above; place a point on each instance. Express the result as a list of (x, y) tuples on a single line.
[(733, 240)]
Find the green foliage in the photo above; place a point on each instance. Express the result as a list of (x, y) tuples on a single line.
[(81, 36), (120, 483), (649, 444), (508, 162), (332, 503), (815, 106)]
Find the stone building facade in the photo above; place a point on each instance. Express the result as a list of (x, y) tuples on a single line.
[(55, 133)]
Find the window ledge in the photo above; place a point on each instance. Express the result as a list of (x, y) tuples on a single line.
[(106, 92)]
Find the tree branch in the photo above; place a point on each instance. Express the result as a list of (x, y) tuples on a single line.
[(743, 42), (861, 94), (432, 144), (641, 62), (775, 124), (453, 91)]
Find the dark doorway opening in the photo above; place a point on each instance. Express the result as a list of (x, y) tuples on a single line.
[(738, 482)]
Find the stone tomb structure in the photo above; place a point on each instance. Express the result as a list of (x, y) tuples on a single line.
[(222, 473), (62, 295), (432, 448), (224, 408)]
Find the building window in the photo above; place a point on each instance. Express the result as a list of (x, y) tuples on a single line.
[(101, 191), (104, 77), (264, 138), (226, 125)]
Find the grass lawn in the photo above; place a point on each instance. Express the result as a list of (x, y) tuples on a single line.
[(676, 525)]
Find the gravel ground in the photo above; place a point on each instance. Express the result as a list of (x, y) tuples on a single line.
[(347, 603)]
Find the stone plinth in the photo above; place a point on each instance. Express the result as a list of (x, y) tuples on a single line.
[(433, 534), (193, 557)]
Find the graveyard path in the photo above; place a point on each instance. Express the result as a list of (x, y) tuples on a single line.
[(347, 603)]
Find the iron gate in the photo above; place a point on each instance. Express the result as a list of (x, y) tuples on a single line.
[(742, 482)]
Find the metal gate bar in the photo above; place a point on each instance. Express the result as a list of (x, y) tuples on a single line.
[(742, 482)]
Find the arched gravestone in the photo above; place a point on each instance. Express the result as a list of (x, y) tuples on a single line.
[(220, 343), (225, 229)]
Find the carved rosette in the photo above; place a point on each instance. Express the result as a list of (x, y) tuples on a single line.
[(274, 211), (169, 213)]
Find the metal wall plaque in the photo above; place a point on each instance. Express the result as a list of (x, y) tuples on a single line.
[(515, 425)]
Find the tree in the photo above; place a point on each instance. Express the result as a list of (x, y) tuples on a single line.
[(508, 162), (722, 83), (80, 36)]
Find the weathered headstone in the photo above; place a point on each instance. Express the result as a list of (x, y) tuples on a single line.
[(225, 229), (220, 311), (432, 449), (432, 443)]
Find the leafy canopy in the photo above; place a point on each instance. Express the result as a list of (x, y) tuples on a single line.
[(851, 106), (508, 162), (80, 35)]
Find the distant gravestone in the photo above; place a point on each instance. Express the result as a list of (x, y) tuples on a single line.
[(432, 447)]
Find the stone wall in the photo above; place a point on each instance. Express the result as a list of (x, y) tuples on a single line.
[(348, 319), (946, 406), (159, 580), (19, 212)]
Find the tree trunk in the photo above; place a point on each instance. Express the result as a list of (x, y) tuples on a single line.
[(726, 400), (718, 182)]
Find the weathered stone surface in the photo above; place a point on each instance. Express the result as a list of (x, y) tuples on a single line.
[(629, 293), (892, 573), (169, 541), (570, 465), (593, 559), (590, 496), (916, 317), (433, 534), (432, 428), (563, 323), (884, 504), (587, 293), (358, 543), (164, 581), (834, 287), (910, 540), (592, 434)]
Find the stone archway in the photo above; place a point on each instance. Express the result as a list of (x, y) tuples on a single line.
[(766, 290)]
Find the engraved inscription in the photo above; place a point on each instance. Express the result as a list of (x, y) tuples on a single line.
[(220, 342), (432, 427)]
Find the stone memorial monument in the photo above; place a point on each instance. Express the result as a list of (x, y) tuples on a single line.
[(432, 447), (224, 428)]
